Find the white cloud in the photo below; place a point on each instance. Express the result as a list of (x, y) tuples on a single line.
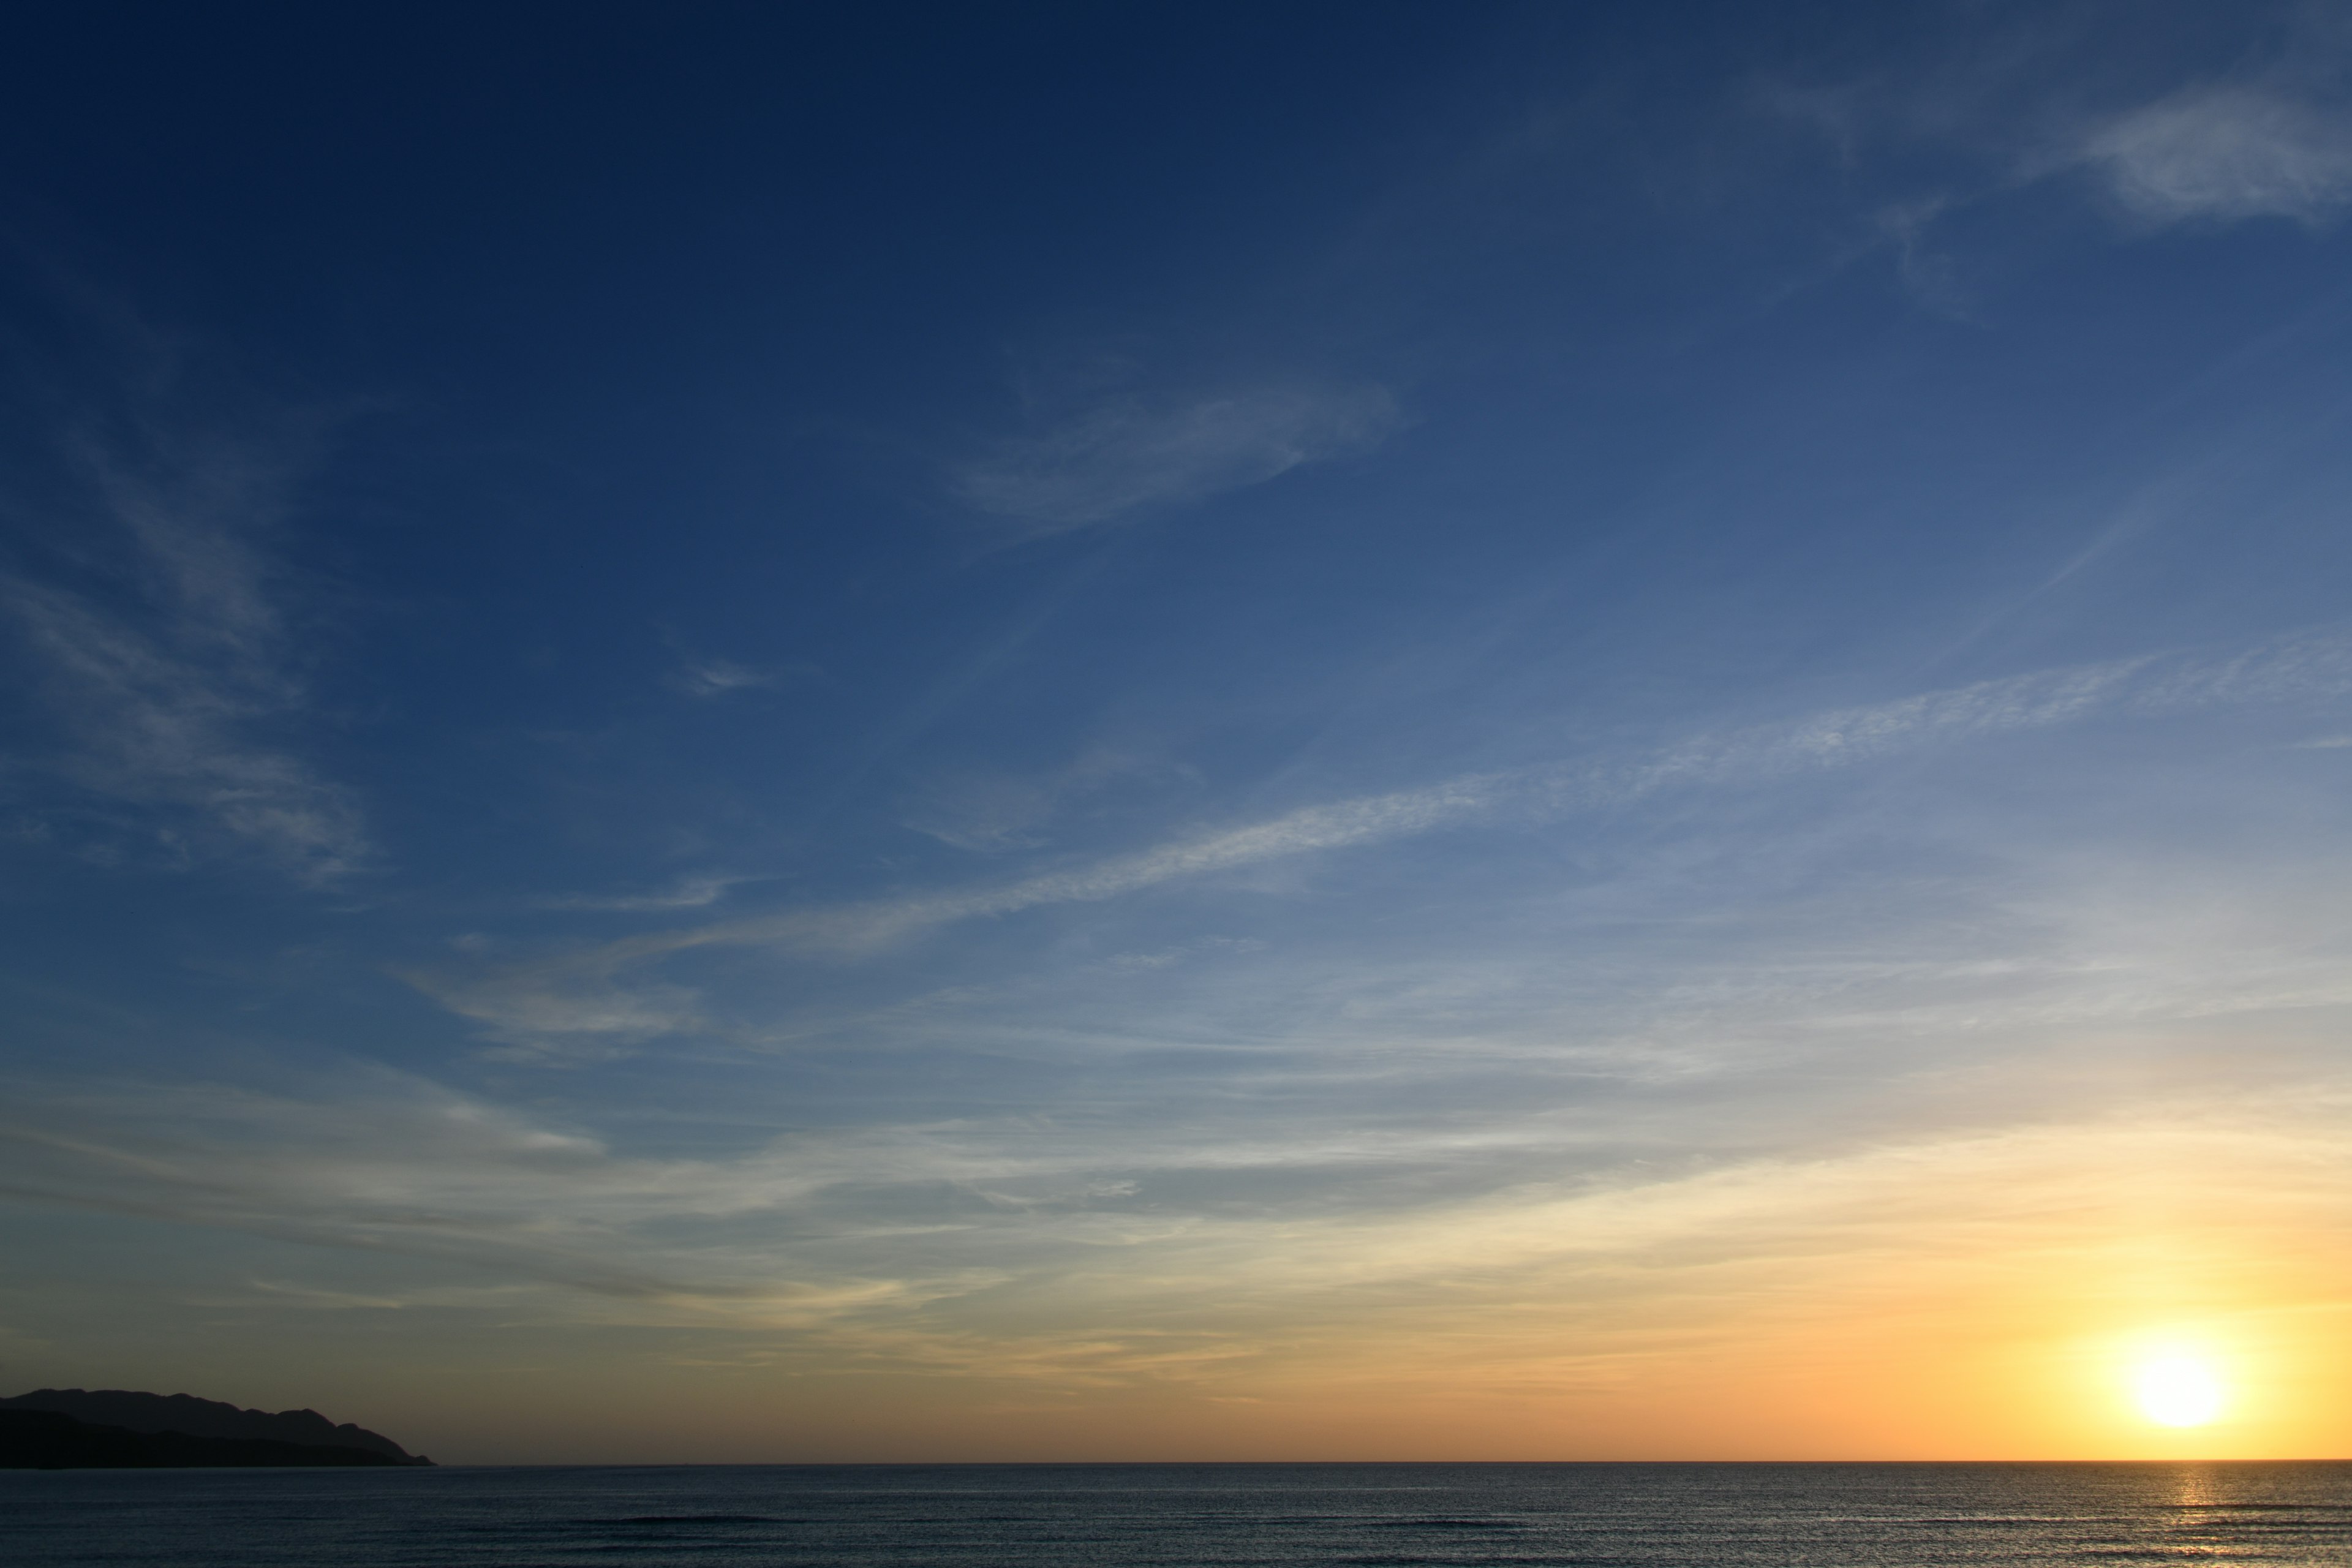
[(582, 992), (2226, 153), (1840, 738), (385, 1162), (170, 668), (808, 1234), (1183, 952), (687, 893), (527, 1005), (1930, 274), (718, 677), (987, 814), (991, 813), (1128, 454)]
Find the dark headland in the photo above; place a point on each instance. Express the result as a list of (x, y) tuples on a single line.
[(113, 1428)]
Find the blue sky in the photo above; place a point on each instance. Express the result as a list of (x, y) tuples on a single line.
[(1364, 730)]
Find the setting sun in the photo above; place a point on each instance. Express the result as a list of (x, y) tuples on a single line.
[(2178, 1391)]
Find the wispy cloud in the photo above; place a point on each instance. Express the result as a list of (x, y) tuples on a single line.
[(1130, 455), (400, 1166), (527, 1005), (687, 893), (2040, 99), (2226, 153), (1933, 276), (718, 677), (1078, 1258), (386, 1162), (163, 646), (987, 814), (993, 813), (585, 993)]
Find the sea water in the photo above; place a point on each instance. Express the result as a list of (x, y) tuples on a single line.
[(1111, 1516)]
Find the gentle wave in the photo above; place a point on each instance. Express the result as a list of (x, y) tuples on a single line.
[(1190, 1516)]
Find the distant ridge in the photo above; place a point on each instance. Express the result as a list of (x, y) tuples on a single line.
[(45, 1440), (256, 1432)]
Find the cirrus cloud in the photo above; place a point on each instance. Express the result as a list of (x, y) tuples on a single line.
[(2226, 153), (1130, 455)]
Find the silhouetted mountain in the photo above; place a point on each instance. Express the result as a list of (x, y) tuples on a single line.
[(45, 1440), (209, 1420)]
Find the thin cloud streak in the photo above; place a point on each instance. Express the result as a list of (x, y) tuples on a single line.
[(759, 1244), (166, 685), (713, 677), (1128, 455), (687, 894), (582, 993), (2226, 154)]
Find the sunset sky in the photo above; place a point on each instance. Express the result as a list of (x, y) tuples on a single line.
[(1355, 731)]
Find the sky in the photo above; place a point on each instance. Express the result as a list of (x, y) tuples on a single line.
[(742, 732)]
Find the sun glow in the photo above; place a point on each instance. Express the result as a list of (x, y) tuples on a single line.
[(2177, 1390)]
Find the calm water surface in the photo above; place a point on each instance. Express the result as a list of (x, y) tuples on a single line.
[(1802, 1516)]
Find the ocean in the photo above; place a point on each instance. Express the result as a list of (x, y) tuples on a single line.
[(1112, 1516)]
